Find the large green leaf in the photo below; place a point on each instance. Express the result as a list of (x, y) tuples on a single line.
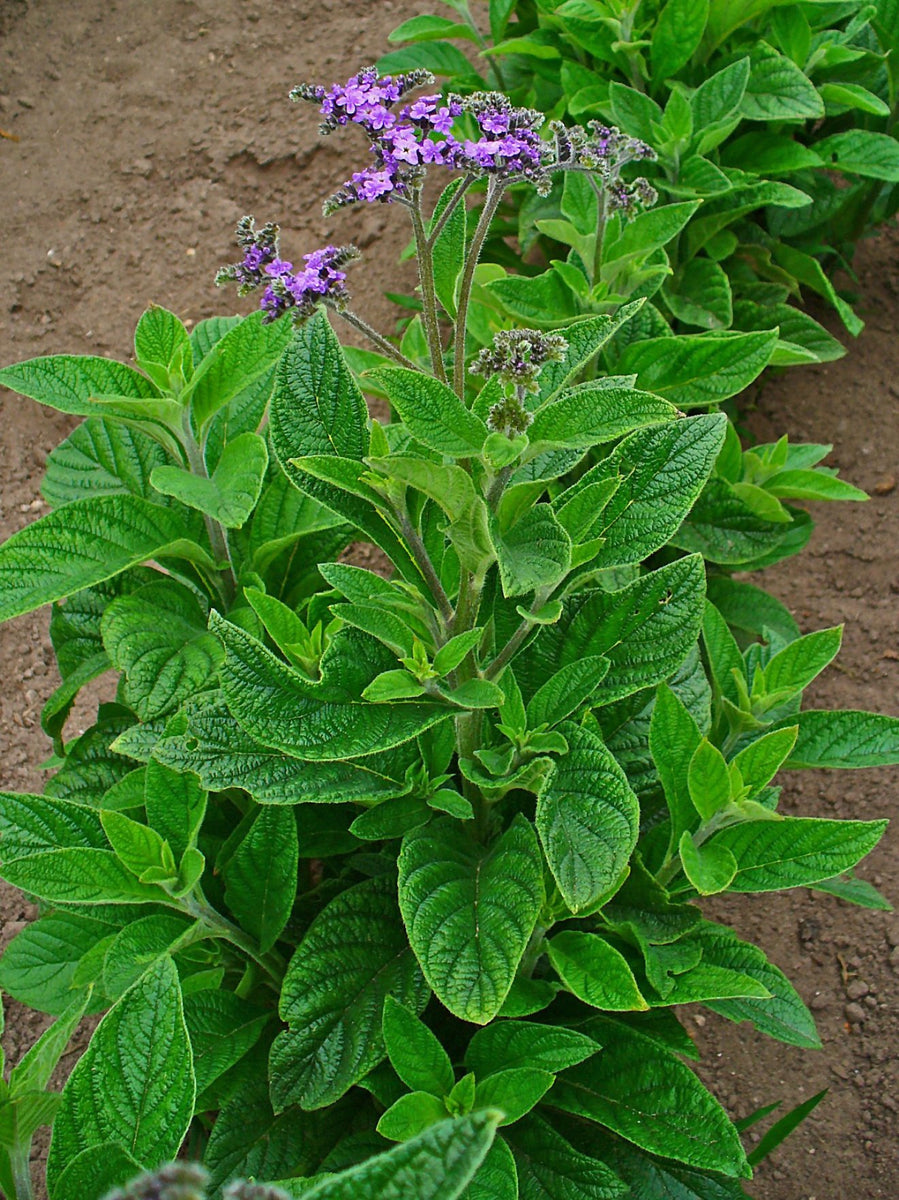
[(157, 637), (134, 1085), (550, 1168), (223, 1027), (100, 457), (595, 972), (85, 543), (507, 1045), (677, 33), (67, 382), (588, 415), (535, 553), (649, 1178), (844, 738), (646, 631), (244, 354), (433, 413), (778, 90), (584, 338), (261, 875), (652, 1099), (470, 911), (162, 345), (353, 955), (588, 819), (318, 721), (862, 152), (702, 368), (436, 1165), (38, 966), (223, 755), (496, 1178), (795, 851)]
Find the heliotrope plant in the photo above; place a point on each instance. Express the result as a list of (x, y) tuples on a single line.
[(391, 882)]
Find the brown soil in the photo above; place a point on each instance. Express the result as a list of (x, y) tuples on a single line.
[(140, 133)]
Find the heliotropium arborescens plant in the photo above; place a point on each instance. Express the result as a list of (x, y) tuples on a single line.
[(390, 883)]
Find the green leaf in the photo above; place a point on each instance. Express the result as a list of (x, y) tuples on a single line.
[(85, 543), (101, 457), (175, 805), (504, 1045), (846, 739), (648, 231), (102, 1166), (243, 355), (718, 98), (410, 1115), (587, 818), (782, 1015), (326, 720), (726, 530), (710, 869), (760, 761), (33, 1071), (566, 691), (433, 413), (652, 1099), (139, 946), (778, 90), (649, 1178), (646, 630), (68, 382), (452, 652), (441, 58), (449, 250), (415, 1053), (137, 846), (585, 338), (426, 28), (534, 554), (549, 1166), (134, 1084), (795, 851), (353, 955), (496, 1178), (470, 911), (700, 368), (676, 35), (514, 1092), (792, 669), (222, 1028), (261, 876), (701, 295), (436, 1165), (39, 964), (595, 972), (857, 152), (223, 755), (708, 780), (587, 416), (674, 738), (230, 494), (162, 346), (450, 486), (157, 637)]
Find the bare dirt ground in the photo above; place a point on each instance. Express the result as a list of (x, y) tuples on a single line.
[(144, 130)]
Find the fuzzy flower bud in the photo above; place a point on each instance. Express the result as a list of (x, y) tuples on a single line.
[(519, 355), (177, 1181)]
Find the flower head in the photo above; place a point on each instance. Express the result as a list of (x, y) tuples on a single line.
[(322, 278), (519, 355)]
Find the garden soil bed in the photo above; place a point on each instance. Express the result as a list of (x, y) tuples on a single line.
[(134, 136)]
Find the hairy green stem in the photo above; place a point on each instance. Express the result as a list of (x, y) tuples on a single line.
[(387, 348), (491, 203), (218, 538), (427, 568), (515, 642), (425, 257), (601, 218), (458, 197), (19, 1159), (200, 909)]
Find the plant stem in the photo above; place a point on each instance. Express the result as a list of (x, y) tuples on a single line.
[(427, 568), (198, 907), (218, 538), (491, 203), (518, 637), (425, 257), (600, 228), (386, 348), (19, 1159)]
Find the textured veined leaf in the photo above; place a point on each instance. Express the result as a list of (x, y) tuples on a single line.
[(857, 152), (796, 851), (76, 875), (230, 493), (587, 818), (585, 339), (586, 416), (433, 413), (103, 1166), (550, 1167), (566, 691), (436, 1165), (652, 1099), (324, 721), (534, 553), (449, 248), (205, 334), (702, 368), (354, 954), (134, 1084), (138, 946), (34, 824), (85, 543), (496, 1178), (505, 1045), (39, 964), (470, 911), (261, 875), (646, 1177), (245, 353), (778, 90), (102, 457), (676, 35), (595, 972), (224, 755), (725, 529), (67, 382), (661, 471), (161, 344), (843, 738), (646, 631), (157, 637), (415, 1052), (222, 1027)]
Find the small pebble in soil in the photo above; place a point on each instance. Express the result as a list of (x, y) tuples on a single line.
[(856, 989), (855, 1013), (884, 486)]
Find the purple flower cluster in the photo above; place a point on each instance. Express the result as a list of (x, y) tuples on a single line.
[(603, 151), (405, 142), (320, 280)]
